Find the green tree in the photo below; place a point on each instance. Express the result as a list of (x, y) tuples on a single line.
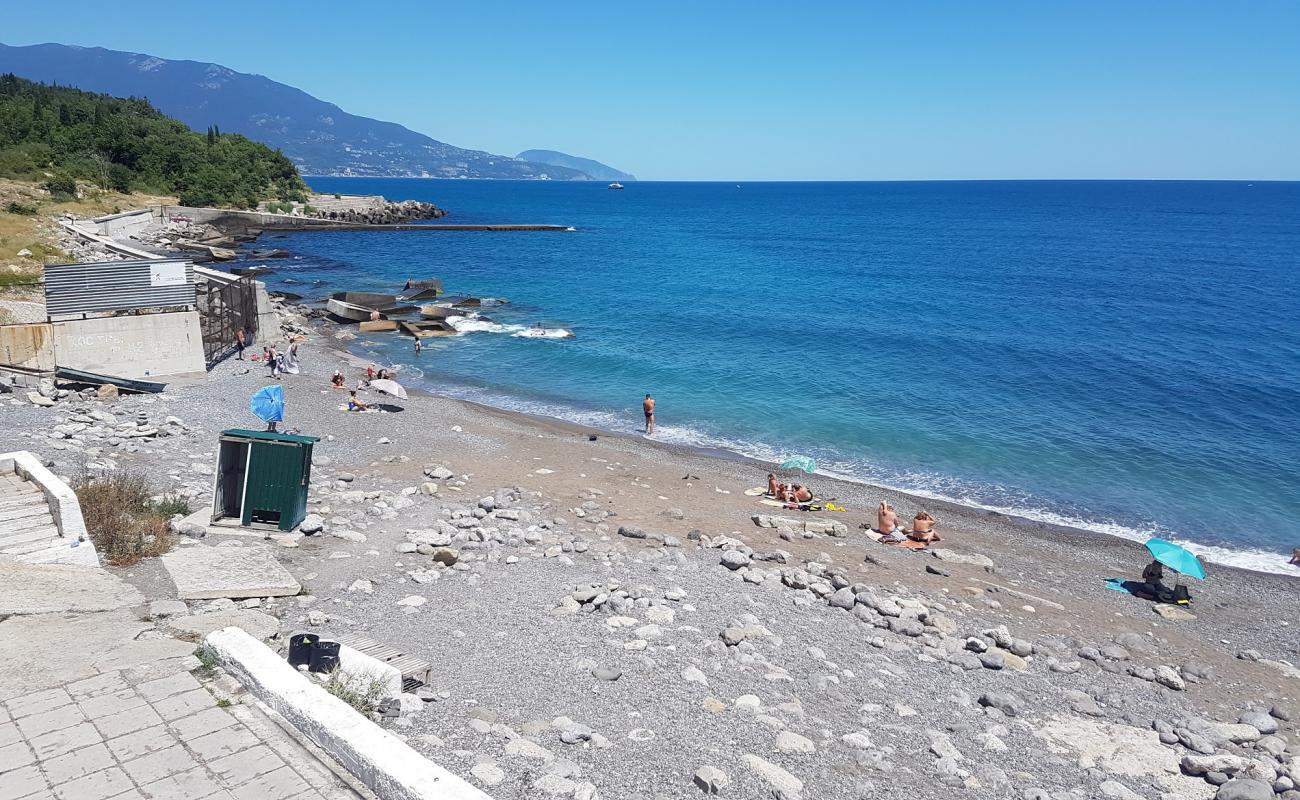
[(126, 143)]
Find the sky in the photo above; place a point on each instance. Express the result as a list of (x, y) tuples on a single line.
[(756, 90)]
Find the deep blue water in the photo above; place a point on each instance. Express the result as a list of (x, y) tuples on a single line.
[(1123, 356)]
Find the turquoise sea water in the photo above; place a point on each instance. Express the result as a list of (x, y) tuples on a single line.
[(1121, 356)]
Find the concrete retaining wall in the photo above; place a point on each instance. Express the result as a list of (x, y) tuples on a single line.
[(28, 347), (140, 346), (123, 225), (384, 763)]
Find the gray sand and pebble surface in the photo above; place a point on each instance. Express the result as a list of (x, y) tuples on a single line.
[(615, 618)]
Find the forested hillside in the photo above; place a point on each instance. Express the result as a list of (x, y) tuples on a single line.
[(56, 135)]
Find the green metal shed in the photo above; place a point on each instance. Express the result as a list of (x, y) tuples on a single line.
[(262, 479)]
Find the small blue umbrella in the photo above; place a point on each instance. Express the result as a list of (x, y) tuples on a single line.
[(1176, 557), (800, 462), (268, 403)]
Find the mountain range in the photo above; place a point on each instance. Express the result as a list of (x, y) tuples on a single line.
[(597, 170), (318, 136)]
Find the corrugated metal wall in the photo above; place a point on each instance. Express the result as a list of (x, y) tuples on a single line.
[(118, 286)]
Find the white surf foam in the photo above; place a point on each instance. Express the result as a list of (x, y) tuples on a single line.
[(476, 324), (919, 484)]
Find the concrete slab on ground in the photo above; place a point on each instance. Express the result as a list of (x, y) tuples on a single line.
[(59, 649), (201, 572), (59, 588), (194, 627)]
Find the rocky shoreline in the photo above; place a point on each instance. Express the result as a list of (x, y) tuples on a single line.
[(601, 626)]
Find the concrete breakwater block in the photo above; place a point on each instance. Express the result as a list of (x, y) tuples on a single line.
[(205, 573)]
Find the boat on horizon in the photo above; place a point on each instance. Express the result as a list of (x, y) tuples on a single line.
[(615, 185)]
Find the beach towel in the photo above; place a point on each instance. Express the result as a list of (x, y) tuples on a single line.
[(911, 544), (805, 506)]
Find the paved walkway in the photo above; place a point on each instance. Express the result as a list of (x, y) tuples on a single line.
[(97, 704), (130, 734)]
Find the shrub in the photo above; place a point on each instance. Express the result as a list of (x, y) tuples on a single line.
[(61, 187), (363, 692), (169, 505), (16, 207), (119, 518)]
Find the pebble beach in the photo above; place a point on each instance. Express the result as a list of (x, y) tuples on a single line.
[(612, 617)]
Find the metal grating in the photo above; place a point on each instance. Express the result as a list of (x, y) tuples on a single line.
[(118, 286)]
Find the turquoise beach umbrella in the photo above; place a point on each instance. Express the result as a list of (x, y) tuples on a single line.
[(800, 462), (1176, 557)]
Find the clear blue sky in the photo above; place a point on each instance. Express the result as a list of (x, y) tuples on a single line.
[(720, 90)]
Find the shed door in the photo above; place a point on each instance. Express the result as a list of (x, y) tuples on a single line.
[(274, 474), (229, 490)]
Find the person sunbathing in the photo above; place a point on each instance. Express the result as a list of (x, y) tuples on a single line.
[(338, 380), (802, 494), (774, 488), (887, 521), (354, 404), (923, 528)]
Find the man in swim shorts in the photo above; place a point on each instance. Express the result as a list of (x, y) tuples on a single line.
[(648, 406)]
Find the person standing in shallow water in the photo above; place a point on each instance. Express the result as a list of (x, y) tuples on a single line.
[(648, 406)]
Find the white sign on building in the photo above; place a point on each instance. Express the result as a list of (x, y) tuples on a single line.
[(167, 273)]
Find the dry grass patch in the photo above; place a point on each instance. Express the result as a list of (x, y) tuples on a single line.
[(122, 522)]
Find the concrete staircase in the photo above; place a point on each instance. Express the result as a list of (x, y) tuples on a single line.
[(28, 531)]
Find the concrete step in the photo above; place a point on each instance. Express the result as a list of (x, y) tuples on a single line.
[(12, 539), (14, 503), (8, 515), (26, 532), (26, 521), (61, 552), (48, 537), (24, 489)]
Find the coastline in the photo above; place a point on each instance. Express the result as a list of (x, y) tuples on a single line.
[(1246, 560), (514, 653)]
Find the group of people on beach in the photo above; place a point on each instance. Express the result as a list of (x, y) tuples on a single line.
[(339, 381), (277, 361), (788, 492), (922, 530)]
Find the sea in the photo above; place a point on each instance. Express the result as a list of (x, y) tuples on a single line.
[(1118, 356)]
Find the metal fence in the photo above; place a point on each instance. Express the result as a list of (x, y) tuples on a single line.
[(118, 286), (224, 308)]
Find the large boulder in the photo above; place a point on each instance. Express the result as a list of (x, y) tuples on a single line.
[(1244, 789)]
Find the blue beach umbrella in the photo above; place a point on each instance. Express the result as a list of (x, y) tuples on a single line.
[(800, 462), (1176, 557), (268, 403)]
